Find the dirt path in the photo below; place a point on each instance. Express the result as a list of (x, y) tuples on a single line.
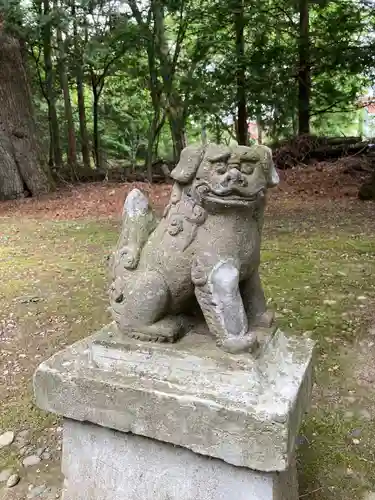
[(306, 190), (318, 270)]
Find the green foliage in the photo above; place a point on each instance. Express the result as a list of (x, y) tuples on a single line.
[(128, 111), (337, 124), (173, 62)]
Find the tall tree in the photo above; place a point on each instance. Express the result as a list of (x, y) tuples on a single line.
[(64, 82), (46, 29), (239, 26), (148, 38), (158, 47), (304, 77), (104, 50), (79, 77), (21, 161), (168, 64)]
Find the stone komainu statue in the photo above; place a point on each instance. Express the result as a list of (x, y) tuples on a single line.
[(205, 247)]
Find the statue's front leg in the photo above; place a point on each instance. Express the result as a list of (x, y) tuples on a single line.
[(218, 294)]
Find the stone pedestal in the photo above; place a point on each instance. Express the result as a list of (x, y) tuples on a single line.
[(183, 421), (104, 464)]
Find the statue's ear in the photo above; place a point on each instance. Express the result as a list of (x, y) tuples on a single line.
[(270, 172), (187, 167)]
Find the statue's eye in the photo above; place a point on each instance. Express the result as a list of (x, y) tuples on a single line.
[(247, 168), (221, 169)]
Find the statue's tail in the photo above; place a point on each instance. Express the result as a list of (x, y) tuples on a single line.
[(138, 222), (136, 205)]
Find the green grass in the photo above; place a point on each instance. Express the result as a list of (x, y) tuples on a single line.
[(319, 281), (323, 284), (54, 286)]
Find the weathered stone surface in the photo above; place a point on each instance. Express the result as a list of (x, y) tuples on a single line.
[(22, 439), (102, 464), (242, 410), (13, 480), (31, 460), (5, 475), (24, 434), (26, 450), (205, 249), (46, 455), (6, 439), (37, 491)]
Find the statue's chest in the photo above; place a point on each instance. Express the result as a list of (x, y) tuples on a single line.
[(232, 232)]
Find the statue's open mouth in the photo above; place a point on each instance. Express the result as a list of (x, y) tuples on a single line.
[(229, 196), (230, 200)]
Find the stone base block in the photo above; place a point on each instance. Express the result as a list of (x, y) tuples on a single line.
[(239, 409), (103, 464)]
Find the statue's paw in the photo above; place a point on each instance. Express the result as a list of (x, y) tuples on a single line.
[(236, 344), (199, 273), (166, 330), (147, 337), (138, 336), (129, 257)]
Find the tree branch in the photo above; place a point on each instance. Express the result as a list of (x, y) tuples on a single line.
[(180, 37), (40, 80), (328, 108), (227, 127), (136, 12)]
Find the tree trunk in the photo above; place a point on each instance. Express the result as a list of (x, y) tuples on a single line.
[(304, 73), (218, 131), (80, 93), (177, 125), (50, 91), (155, 93), (239, 25), (11, 184), (294, 124), (175, 112), (85, 149), (204, 134), (51, 159), (174, 105), (153, 141), (95, 117), (150, 144), (21, 162), (158, 46), (178, 138), (71, 134), (54, 131)]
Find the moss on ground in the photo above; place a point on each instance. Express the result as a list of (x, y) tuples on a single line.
[(53, 292), (323, 283), (320, 280)]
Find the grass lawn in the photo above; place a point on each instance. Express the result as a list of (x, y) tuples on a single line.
[(318, 274)]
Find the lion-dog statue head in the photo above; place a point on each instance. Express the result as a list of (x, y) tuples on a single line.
[(222, 175)]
